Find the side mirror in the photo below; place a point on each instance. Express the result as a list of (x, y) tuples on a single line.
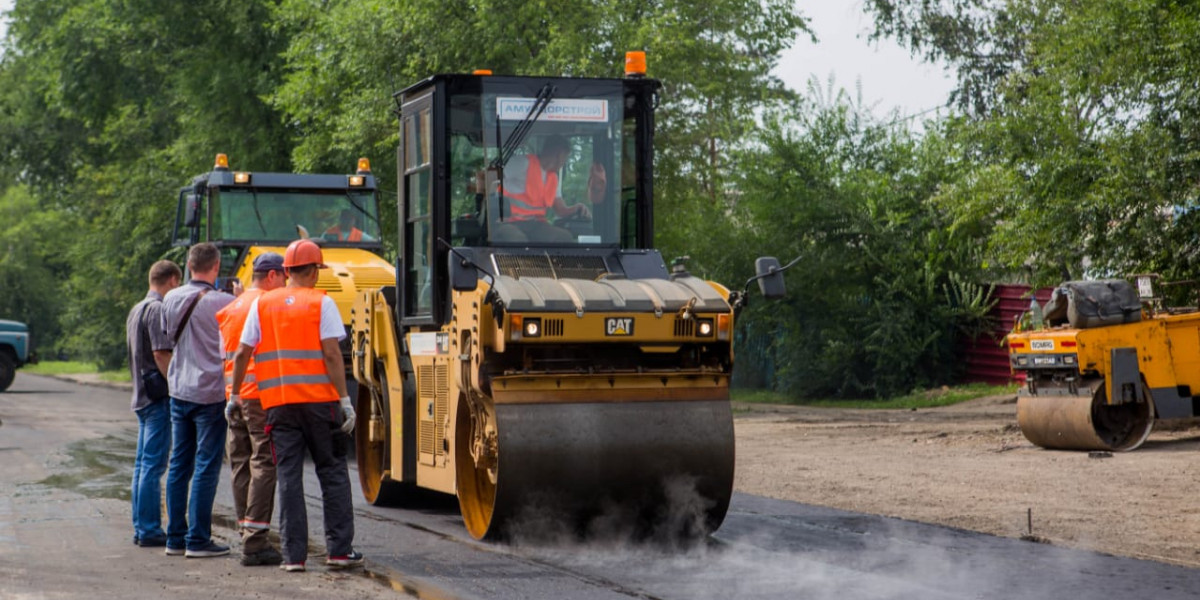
[(463, 276), (192, 216), (770, 277)]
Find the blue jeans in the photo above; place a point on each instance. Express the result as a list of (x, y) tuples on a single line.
[(199, 432), (154, 440)]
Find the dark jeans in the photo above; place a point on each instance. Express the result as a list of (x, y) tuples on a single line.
[(199, 432), (312, 427), (153, 445)]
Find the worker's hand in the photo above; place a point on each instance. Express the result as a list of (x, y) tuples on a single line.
[(236, 289), (234, 402), (347, 414), (582, 211)]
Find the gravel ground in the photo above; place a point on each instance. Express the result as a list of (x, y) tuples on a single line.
[(968, 466)]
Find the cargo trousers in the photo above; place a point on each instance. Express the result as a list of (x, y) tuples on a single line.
[(253, 474), (312, 428)]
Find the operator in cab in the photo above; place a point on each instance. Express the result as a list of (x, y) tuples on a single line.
[(346, 229), (531, 188)]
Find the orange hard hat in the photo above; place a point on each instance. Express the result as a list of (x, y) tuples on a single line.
[(303, 252)]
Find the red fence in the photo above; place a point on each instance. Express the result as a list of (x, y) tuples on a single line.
[(986, 356)]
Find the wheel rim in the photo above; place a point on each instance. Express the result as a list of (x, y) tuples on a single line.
[(476, 491), (371, 455)]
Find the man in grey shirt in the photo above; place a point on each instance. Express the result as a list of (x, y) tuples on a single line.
[(144, 335), (197, 382)]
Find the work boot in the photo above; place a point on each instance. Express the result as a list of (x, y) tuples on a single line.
[(267, 556)]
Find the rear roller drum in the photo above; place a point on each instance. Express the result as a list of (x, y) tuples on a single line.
[(1077, 422)]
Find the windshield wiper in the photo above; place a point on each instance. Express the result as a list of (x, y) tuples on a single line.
[(517, 137), (362, 210), (257, 215)]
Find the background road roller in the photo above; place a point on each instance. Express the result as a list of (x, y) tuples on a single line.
[(557, 374), (1106, 361)]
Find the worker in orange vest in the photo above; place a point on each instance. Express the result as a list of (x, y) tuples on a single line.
[(531, 189), (247, 445), (293, 334), (345, 230)]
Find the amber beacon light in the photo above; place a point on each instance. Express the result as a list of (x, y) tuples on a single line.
[(635, 63)]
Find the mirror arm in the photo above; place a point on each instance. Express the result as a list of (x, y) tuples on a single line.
[(746, 288)]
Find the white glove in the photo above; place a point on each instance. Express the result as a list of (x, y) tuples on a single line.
[(234, 402), (347, 414)]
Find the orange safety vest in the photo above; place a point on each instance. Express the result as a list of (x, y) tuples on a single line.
[(289, 360), (539, 194), (355, 234), (231, 319)]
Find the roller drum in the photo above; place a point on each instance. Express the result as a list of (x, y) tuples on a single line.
[(1083, 422), (644, 469)]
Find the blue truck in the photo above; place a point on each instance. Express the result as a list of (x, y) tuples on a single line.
[(16, 350)]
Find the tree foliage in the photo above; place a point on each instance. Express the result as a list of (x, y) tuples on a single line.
[(883, 289), (1080, 157)]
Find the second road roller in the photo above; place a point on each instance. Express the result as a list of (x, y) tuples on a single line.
[(1102, 362), (537, 356)]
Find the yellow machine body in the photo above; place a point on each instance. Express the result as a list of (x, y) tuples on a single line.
[(541, 362), (351, 271), (1101, 388)]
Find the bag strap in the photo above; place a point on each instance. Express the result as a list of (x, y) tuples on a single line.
[(141, 326), (188, 315)]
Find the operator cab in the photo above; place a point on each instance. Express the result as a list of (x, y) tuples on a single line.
[(482, 156), (240, 210)]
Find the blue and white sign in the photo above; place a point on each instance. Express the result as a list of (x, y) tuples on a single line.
[(577, 110)]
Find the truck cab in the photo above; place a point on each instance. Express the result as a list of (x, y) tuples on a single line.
[(16, 350), (247, 213)]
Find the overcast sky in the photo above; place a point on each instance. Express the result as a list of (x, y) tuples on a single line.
[(890, 78)]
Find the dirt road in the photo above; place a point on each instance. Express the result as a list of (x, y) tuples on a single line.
[(968, 466)]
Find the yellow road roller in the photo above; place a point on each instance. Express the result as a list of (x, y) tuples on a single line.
[(1101, 362), (537, 357)]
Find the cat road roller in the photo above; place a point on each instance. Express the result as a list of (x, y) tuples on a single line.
[(542, 362), (1101, 368)]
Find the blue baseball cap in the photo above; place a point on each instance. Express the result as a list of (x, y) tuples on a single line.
[(268, 261)]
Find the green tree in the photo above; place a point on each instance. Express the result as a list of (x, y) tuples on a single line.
[(32, 265), (883, 288), (1083, 159), (107, 108)]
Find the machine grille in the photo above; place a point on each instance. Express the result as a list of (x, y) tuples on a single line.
[(552, 328), (441, 407), (425, 422), (556, 267), (685, 327), (372, 277), (328, 282)]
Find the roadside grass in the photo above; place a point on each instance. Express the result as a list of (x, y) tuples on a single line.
[(74, 367), (943, 396)]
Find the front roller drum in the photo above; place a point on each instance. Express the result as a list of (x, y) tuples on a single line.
[(643, 470), (1084, 422)]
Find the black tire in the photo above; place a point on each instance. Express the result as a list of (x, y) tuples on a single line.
[(8, 371)]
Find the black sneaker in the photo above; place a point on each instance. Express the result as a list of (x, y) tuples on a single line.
[(354, 559), (207, 551), (269, 556), (152, 542)]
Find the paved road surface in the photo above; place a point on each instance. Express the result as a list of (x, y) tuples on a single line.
[(66, 450)]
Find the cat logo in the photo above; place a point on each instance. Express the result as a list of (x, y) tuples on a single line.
[(618, 326)]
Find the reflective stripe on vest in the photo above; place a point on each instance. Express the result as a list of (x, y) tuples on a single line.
[(231, 319), (539, 193), (289, 360)]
